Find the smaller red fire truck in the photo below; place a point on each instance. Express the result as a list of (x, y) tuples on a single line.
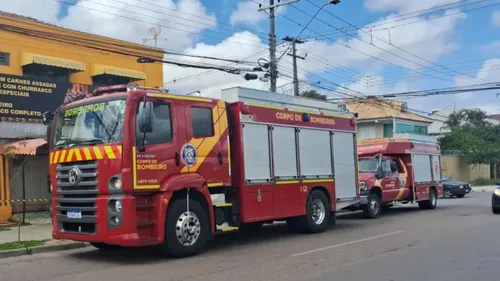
[(140, 167), (402, 169)]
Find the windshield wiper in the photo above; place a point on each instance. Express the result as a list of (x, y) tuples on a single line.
[(84, 142)]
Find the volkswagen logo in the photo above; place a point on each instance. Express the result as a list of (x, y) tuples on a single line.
[(74, 175)]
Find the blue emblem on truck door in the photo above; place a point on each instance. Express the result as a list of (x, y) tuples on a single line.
[(189, 154)]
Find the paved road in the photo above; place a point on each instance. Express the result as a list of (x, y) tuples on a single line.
[(457, 241)]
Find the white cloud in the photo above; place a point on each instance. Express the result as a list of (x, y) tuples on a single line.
[(212, 82), (181, 21), (486, 100), (247, 13), (495, 18), (491, 49)]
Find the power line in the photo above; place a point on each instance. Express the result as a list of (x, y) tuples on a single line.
[(436, 9), (152, 23), (22, 31), (397, 47), (371, 44)]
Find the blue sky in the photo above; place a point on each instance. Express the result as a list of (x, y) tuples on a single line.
[(459, 45)]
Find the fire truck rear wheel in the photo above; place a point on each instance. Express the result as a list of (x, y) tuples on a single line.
[(318, 213), (186, 233), (431, 203)]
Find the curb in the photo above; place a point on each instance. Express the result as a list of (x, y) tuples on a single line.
[(42, 249)]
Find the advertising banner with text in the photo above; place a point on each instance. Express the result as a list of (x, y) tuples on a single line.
[(22, 97)]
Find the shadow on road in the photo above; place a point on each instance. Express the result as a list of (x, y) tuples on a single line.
[(268, 234)]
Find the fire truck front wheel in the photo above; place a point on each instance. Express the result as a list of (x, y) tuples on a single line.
[(372, 208), (317, 218), (186, 232)]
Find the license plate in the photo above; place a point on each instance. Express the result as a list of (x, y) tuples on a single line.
[(74, 214)]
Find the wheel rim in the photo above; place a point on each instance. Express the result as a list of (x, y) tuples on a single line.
[(188, 228), (447, 193), (318, 211), (374, 206)]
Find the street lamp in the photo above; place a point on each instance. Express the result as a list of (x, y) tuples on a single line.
[(332, 2)]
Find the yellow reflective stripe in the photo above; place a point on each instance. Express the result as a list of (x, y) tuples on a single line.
[(70, 154), (146, 186), (119, 149), (86, 152), (134, 167), (51, 156), (287, 182), (98, 153), (62, 159), (215, 184), (78, 155), (56, 157), (318, 181), (109, 152)]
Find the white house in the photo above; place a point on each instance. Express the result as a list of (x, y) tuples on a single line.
[(386, 118)]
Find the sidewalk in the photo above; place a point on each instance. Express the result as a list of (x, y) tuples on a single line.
[(29, 232), (486, 188)]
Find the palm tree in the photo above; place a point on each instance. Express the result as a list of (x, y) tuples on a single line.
[(476, 117), (455, 119)]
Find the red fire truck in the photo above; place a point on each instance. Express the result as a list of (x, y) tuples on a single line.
[(140, 167), (402, 169)]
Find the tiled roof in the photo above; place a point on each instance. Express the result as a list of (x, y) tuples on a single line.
[(495, 116), (373, 109)]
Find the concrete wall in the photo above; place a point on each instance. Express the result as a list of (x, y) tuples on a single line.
[(453, 167)]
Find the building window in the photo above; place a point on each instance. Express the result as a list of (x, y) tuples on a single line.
[(109, 80), (4, 59), (201, 118), (39, 71), (388, 131), (402, 128)]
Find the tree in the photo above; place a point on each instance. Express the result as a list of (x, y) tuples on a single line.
[(455, 119), (313, 94), (476, 117)]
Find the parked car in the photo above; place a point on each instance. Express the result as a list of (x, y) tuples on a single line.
[(455, 188), (495, 200)]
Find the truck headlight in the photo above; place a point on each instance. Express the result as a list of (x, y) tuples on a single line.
[(362, 185), (116, 183), (115, 206), (497, 192)]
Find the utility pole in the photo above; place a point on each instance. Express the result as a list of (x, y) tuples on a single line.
[(273, 67), (295, 56)]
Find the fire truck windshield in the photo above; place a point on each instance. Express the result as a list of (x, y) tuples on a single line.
[(368, 165), (89, 124)]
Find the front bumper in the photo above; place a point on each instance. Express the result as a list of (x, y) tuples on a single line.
[(456, 190), (95, 226), (495, 200)]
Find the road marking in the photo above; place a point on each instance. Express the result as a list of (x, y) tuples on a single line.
[(345, 244)]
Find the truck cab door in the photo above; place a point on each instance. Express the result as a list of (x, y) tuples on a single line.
[(206, 129), (156, 153), (390, 182)]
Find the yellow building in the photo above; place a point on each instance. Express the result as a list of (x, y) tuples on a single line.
[(40, 64)]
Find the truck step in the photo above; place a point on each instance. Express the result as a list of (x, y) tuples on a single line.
[(223, 205), (221, 229)]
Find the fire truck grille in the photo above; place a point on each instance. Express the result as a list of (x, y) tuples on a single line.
[(77, 193)]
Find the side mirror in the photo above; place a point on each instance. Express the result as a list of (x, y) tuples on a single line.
[(394, 167), (47, 117), (380, 173), (145, 117)]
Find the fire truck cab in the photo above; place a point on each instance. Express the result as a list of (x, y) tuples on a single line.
[(404, 169), (139, 167)]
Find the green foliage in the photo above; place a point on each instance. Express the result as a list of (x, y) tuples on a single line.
[(477, 139), (21, 245), (313, 94), (483, 182)]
